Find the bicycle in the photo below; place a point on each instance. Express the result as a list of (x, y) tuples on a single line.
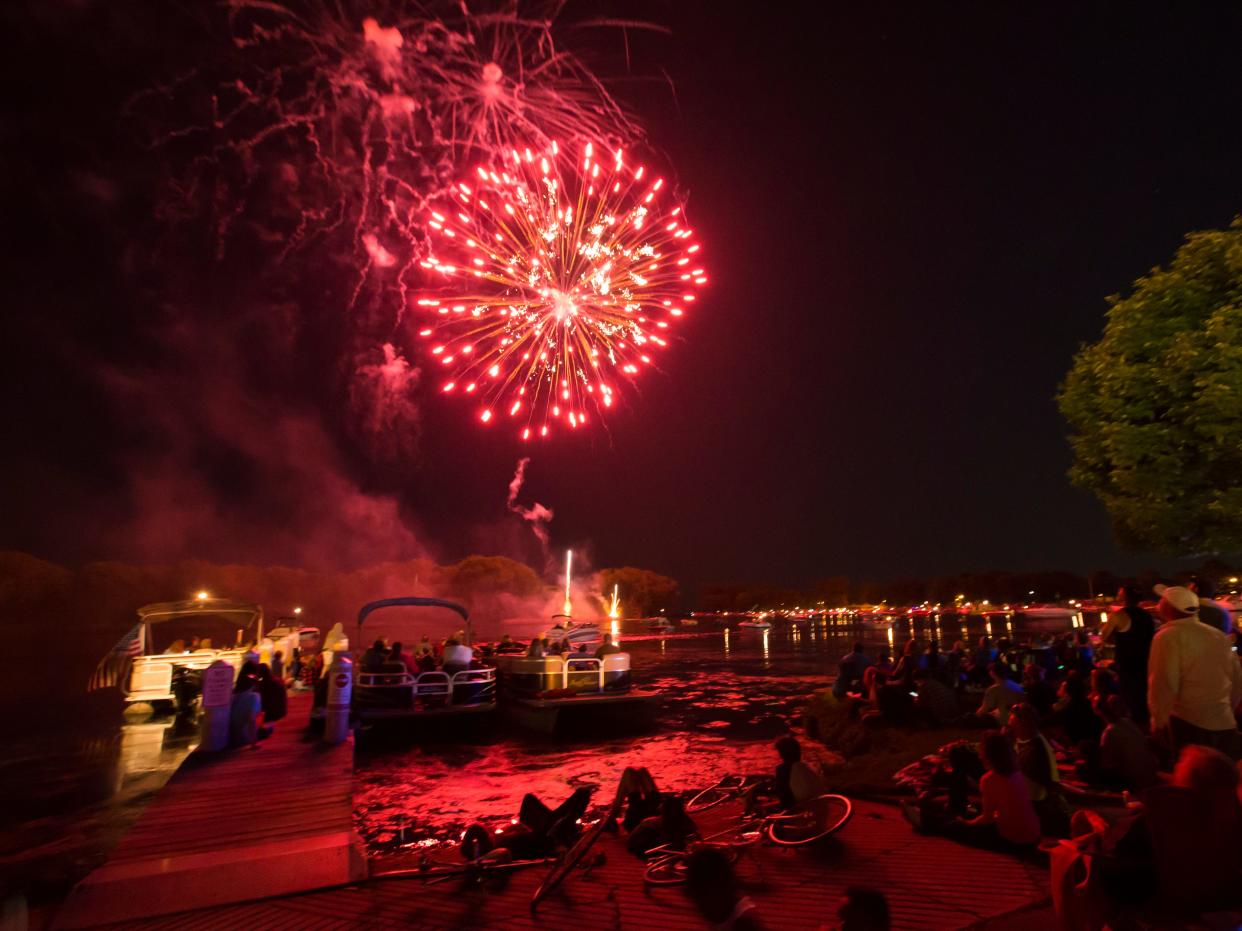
[(476, 871), (819, 818), (568, 862), (729, 787)]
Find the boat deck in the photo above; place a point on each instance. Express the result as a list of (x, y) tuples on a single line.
[(411, 714), (233, 826), (930, 883)]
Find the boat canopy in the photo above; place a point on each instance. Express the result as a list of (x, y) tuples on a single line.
[(411, 601), (171, 610)]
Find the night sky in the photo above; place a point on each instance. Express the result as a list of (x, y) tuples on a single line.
[(912, 216)]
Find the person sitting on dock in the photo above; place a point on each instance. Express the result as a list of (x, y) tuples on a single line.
[(671, 828), (793, 783), (374, 658), (850, 670), (539, 830), (607, 647), (864, 910), (638, 795), (713, 887)]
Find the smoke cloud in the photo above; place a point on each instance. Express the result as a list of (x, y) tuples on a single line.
[(536, 515)]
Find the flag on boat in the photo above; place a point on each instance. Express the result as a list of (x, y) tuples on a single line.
[(114, 667)]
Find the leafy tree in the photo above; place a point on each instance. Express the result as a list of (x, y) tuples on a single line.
[(642, 591), (488, 575), (1155, 407)]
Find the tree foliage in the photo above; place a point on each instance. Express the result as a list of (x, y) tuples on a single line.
[(642, 591), (1155, 407)]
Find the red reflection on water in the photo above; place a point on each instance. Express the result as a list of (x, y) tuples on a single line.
[(720, 716)]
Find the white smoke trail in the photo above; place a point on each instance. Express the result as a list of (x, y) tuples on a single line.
[(536, 515)]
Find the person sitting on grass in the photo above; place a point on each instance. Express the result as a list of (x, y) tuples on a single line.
[(999, 697), (1073, 717), (934, 701), (1126, 760), (850, 671), (1039, 692), (954, 781), (1038, 764), (1006, 819), (713, 887)]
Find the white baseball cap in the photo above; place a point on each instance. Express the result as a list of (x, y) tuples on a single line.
[(1179, 597)]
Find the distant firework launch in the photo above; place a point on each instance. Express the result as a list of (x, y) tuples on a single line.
[(564, 272)]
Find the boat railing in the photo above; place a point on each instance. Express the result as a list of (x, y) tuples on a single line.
[(466, 687)]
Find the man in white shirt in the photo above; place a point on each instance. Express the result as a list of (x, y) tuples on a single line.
[(1194, 680), (457, 656)]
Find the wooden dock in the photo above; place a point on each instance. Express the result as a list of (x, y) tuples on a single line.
[(930, 883), (232, 827)]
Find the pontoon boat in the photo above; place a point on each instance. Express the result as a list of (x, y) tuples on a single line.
[(397, 692)]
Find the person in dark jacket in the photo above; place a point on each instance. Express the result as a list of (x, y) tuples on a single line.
[(1130, 629)]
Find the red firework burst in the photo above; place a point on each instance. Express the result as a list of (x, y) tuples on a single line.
[(561, 278)]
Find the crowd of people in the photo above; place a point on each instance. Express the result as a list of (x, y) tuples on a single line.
[(1108, 724)]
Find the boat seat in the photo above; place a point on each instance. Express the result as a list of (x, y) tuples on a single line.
[(391, 687)]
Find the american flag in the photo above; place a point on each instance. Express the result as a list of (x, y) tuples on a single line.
[(113, 669)]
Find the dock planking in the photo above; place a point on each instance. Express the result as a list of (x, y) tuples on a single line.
[(231, 827), (930, 883)]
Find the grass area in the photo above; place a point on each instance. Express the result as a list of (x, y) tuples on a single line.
[(869, 756)]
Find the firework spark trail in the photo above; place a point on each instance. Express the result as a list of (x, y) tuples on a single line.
[(563, 273), (329, 122), (536, 515)]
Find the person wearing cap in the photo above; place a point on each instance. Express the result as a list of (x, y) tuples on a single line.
[(1194, 680)]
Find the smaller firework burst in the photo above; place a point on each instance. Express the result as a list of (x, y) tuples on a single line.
[(561, 277)]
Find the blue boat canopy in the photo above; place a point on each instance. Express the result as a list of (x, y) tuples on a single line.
[(411, 601)]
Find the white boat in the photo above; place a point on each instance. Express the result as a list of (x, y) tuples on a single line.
[(658, 624), (757, 623), (1047, 618), (147, 659), (567, 629)]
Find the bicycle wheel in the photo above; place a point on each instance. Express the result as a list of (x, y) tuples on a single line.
[(666, 871), (709, 798), (820, 818), (573, 856)]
